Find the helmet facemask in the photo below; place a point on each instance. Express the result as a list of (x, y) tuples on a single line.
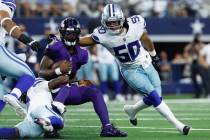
[(114, 27), (70, 37)]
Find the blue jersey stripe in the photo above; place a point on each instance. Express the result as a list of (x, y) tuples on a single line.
[(16, 59), (10, 3), (37, 81)]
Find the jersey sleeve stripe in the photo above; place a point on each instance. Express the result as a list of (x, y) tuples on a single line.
[(95, 38), (10, 4)]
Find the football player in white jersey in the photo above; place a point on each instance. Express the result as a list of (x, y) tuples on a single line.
[(128, 40), (42, 117), (11, 65)]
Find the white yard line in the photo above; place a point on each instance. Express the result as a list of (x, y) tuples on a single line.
[(119, 119), (131, 127)]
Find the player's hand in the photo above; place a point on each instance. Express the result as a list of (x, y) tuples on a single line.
[(65, 67), (51, 38), (85, 83), (155, 60), (34, 45)]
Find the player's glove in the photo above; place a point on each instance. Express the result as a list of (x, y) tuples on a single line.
[(51, 38), (35, 45), (155, 60)]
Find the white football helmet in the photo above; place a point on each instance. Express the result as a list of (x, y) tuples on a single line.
[(113, 18)]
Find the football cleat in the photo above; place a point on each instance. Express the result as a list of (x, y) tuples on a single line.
[(53, 134), (16, 105), (186, 130), (128, 109), (46, 125), (111, 131)]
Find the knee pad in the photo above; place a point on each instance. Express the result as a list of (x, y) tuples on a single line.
[(154, 98), (147, 101)]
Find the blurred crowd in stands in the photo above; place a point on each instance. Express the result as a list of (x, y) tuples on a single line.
[(190, 65), (93, 8)]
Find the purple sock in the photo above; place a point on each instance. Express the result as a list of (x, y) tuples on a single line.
[(103, 87), (117, 87), (2, 105), (22, 85), (99, 106), (8, 133)]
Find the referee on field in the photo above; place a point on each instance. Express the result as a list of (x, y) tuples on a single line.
[(204, 60)]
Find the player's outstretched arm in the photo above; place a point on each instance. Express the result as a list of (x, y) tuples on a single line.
[(147, 42), (150, 48), (86, 41), (15, 31)]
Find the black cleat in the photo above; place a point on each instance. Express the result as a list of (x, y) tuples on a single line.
[(134, 122), (111, 131), (186, 130), (54, 134)]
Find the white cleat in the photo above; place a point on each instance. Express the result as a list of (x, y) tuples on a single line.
[(16, 105), (131, 114)]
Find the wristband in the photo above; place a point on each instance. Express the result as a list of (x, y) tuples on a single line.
[(152, 53), (4, 19), (58, 71)]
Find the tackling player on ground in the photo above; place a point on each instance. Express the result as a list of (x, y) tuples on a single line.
[(128, 40), (77, 92), (42, 117)]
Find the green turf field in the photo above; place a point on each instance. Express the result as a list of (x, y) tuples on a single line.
[(82, 123)]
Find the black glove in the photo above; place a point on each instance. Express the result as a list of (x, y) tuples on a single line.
[(34, 45), (50, 38), (155, 60)]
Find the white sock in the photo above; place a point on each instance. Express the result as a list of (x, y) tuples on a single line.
[(17, 92), (139, 106), (164, 110)]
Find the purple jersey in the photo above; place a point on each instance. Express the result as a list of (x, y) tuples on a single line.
[(58, 52)]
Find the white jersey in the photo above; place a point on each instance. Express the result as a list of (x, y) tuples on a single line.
[(8, 6), (39, 95), (127, 48)]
